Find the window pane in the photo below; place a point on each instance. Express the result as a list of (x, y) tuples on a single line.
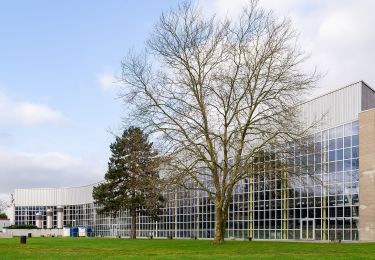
[(355, 141), (348, 129), (339, 131), (355, 128), (339, 143)]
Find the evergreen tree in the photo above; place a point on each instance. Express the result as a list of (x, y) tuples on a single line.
[(132, 180)]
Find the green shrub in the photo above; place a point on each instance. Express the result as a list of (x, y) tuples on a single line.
[(22, 226), (3, 215)]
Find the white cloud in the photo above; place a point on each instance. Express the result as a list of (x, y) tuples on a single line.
[(338, 34), (25, 113), (54, 169), (6, 138), (344, 42), (107, 80)]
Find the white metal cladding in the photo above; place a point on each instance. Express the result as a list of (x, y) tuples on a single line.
[(336, 108), (54, 196)]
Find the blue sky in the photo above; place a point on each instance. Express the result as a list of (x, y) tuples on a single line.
[(58, 60), (57, 55)]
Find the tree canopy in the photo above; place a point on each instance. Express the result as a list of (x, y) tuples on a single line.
[(217, 92)]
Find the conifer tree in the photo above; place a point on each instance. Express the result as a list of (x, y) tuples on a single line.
[(132, 181)]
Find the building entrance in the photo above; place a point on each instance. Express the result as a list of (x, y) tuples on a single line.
[(307, 229), (114, 230)]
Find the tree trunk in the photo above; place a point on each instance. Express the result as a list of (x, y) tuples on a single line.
[(133, 231), (220, 222)]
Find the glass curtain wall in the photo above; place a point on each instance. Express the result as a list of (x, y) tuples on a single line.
[(319, 200)]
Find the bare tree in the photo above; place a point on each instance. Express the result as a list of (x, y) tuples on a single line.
[(3, 205), (217, 93)]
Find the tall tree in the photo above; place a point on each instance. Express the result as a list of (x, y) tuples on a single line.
[(217, 92), (132, 180)]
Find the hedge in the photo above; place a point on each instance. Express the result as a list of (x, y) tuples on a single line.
[(22, 226)]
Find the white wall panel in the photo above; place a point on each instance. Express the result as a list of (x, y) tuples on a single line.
[(54, 196), (336, 108)]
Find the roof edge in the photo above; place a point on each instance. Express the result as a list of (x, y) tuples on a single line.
[(54, 188), (335, 90)]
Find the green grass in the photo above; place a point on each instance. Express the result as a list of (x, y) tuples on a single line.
[(98, 248)]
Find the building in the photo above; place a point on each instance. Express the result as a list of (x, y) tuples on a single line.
[(332, 198), (4, 223)]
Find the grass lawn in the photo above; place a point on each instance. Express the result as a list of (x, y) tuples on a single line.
[(98, 248)]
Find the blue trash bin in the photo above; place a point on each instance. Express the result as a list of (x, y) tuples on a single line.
[(88, 231), (74, 232)]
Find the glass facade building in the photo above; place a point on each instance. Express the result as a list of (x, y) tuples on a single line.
[(321, 200)]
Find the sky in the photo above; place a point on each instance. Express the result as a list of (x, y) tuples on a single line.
[(60, 62)]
